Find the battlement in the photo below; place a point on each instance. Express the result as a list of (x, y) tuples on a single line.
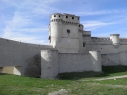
[(106, 40), (114, 34), (123, 39), (100, 39), (66, 18)]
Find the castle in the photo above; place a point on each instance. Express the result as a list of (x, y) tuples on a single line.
[(70, 49)]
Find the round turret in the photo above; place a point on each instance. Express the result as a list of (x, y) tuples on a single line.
[(56, 28), (115, 39), (81, 27)]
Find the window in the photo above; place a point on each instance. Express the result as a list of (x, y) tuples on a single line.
[(54, 15), (83, 44), (66, 16), (59, 15), (68, 31), (78, 18), (49, 38), (72, 17), (79, 25)]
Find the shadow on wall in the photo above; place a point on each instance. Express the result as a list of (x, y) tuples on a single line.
[(33, 67)]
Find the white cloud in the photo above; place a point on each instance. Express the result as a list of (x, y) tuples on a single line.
[(20, 27), (102, 12), (91, 25), (18, 21), (35, 30), (17, 36)]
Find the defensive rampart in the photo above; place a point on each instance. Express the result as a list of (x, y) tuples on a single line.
[(23, 55), (53, 62)]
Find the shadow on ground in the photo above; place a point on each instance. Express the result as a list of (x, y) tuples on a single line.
[(106, 71), (4, 74)]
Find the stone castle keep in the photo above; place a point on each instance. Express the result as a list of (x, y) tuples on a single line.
[(70, 49)]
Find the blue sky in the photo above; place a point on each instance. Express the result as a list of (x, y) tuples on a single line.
[(28, 20)]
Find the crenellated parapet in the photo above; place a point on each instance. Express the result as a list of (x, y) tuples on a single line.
[(101, 40), (123, 41), (65, 18), (114, 34), (113, 40)]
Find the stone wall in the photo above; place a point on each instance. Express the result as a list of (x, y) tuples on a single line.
[(114, 59), (46, 62), (78, 62), (74, 62), (13, 53), (110, 59), (53, 62), (105, 48)]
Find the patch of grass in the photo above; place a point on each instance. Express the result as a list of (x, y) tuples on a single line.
[(20, 85), (80, 83)]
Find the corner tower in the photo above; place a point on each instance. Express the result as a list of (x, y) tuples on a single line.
[(63, 31), (115, 39)]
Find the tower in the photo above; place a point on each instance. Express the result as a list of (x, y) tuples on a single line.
[(115, 39), (63, 31), (55, 29)]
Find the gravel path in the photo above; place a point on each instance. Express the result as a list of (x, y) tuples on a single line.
[(109, 85), (115, 77)]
